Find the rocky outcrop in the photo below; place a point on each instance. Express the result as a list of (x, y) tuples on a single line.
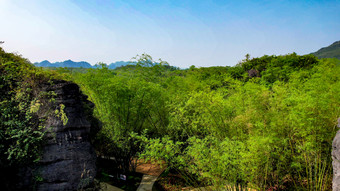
[(253, 73), (68, 159), (336, 160)]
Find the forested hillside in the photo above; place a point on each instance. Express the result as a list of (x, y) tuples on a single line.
[(331, 51), (266, 123)]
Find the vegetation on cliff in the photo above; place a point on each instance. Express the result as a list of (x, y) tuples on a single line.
[(21, 100)]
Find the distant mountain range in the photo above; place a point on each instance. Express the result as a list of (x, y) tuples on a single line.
[(82, 64), (331, 51)]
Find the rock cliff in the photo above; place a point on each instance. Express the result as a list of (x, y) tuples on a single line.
[(336, 160), (68, 158)]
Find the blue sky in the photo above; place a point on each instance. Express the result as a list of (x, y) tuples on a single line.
[(184, 33)]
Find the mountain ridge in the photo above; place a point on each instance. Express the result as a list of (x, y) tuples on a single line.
[(331, 51), (81, 64)]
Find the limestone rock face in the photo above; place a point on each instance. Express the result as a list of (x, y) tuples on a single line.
[(336, 160), (68, 160)]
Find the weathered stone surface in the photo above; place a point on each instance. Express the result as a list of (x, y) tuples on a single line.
[(336, 160), (253, 73), (68, 159)]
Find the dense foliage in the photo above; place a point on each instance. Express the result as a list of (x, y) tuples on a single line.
[(266, 123)]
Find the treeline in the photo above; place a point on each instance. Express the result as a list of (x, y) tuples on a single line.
[(266, 123)]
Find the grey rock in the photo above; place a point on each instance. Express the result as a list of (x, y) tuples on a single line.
[(336, 160), (68, 160)]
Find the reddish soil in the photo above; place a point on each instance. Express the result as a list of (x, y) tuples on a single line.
[(154, 169)]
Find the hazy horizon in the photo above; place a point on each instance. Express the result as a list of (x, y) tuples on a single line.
[(183, 33)]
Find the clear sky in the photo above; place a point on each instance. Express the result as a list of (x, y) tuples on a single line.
[(184, 33)]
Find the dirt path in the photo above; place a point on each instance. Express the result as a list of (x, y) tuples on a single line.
[(108, 187), (151, 172), (149, 168), (147, 183)]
